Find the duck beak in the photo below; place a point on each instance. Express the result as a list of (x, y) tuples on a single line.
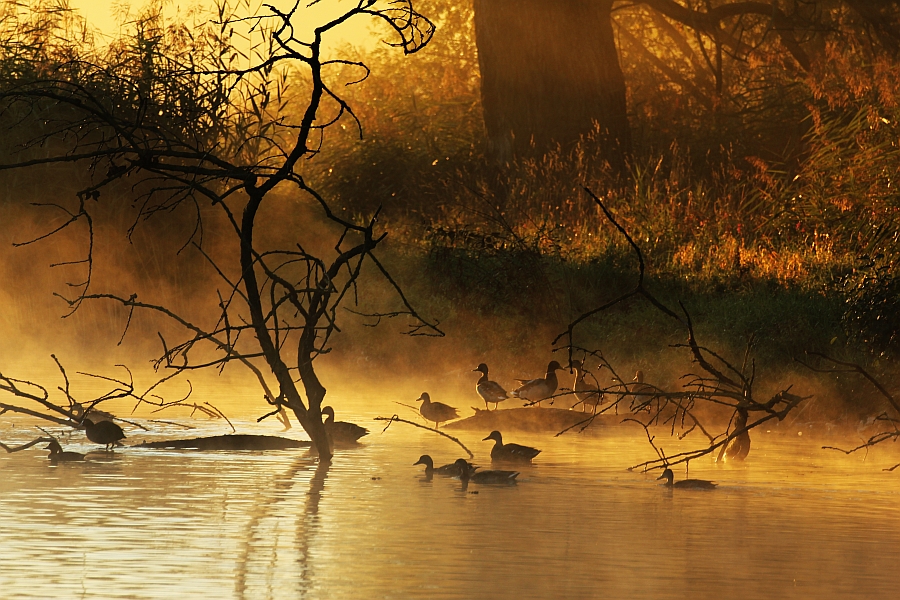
[(487, 438), (660, 477)]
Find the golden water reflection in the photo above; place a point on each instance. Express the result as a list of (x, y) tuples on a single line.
[(792, 522)]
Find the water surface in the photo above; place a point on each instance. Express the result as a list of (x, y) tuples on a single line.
[(793, 521)]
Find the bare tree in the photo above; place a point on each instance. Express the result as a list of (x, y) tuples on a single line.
[(223, 116)]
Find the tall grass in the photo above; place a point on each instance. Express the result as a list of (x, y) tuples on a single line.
[(759, 174)]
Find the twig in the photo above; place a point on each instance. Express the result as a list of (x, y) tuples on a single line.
[(394, 418), (25, 446)]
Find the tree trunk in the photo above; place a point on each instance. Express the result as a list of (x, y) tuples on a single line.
[(549, 72), (310, 418)]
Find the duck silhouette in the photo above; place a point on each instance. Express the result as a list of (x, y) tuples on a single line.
[(58, 455), (467, 474), (510, 452), (103, 432), (642, 393), (587, 394), (436, 411), (341, 432), (490, 391), (449, 470), (685, 484), (535, 390)]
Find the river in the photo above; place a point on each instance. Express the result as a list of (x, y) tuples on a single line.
[(793, 521)]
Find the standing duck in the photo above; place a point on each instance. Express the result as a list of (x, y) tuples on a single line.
[(466, 474), (739, 447), (450, 470), (510, 452), (57, 454), (587, 394), (535, 390), (490, 391), (103, 432), (642, 392), (436, 411), (341, 432), (685, 484)]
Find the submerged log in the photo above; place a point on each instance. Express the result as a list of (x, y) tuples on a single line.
[(532, 419), (230, 442)]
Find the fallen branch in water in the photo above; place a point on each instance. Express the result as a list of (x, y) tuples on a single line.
[(395, 418), (11, 449), (840, 366), (712, 381)]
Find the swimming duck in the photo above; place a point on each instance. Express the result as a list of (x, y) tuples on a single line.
[(57, 454), (587, 394), (436, 411), (510, 452), (467, 474), (535, 390), (103, 432), (341, 432), (450, 470), (686, 484), (490, 391)]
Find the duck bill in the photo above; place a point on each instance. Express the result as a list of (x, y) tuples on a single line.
[(660, 477)]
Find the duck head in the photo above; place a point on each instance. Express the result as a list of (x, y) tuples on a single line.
[(553, 366), (482, 368), (87, 423), (639, 376), (464, 468), (328, 413), (54, 447), (667, 475), (494, 435), (425, 460), (424, 397)]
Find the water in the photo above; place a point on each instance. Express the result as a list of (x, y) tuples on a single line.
[(793, 521)]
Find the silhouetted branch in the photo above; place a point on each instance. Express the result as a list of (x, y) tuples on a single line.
[(397, 419)]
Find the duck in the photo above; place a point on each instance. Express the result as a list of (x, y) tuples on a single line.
[(739, 447), (103, 432), (436, 411), (490, 391), (641, 392), (510, 452), (535, 390), (587, 394), (686, 484), (449, 470), (342, 432), (78, 412), (466, 474), (57, 454)]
